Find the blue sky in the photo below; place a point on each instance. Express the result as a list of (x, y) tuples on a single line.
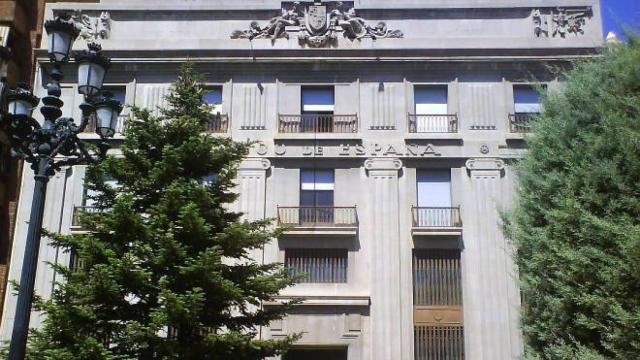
[(619, 12)]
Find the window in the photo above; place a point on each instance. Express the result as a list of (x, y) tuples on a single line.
[(316, 187), (434, 188), (318, 265), (431, 100), (316, 196), (434, 201), (526, 99), (437, 277), (317, 109), (317, 100), (437, 289), (316, 354), (88, 195), (431, 108), (119, 93), (213, 97)]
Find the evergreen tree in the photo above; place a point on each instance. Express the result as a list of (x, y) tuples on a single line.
[(165, 269), (577, 223)]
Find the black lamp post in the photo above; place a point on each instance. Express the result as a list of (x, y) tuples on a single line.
[(53, 144)]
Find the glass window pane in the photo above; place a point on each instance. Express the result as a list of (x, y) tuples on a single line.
[(213, 96), (431, 95), (316, 180), (119, 92), (526, 99), (307, 198), (324, 198), (317, 96), (434, 188)]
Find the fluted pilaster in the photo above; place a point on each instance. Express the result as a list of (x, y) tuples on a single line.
[(491, 307), (386, 305)]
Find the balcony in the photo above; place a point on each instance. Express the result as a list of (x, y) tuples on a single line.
[(433, 123), (520, 123), (314, 126), (218, 125), (319, 220), (436, 221), (77, 211)]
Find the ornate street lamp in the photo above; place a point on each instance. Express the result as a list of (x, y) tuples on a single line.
[(21, 102), (92, 66), (54, 144), (61, 35), (107, 112)]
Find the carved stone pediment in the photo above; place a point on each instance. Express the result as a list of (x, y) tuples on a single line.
[(317, 25), (560, 22)]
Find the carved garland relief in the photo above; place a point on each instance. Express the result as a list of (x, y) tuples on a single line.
[(317, 25)]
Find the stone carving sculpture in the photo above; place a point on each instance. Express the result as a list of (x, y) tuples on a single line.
[(562, 22), (93, 28), (316, 27), (540, 24), (274, 30)]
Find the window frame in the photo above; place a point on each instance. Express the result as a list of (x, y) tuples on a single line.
[(527, 86)]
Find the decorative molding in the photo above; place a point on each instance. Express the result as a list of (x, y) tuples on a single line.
[(484, 149), (485, 164), (317, 25), (92, 27), (559, 22)]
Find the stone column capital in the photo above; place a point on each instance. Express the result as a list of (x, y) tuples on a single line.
[(254, 164), (484, 166), (390, 166)]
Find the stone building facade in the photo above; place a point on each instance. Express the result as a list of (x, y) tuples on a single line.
[(388, 132)]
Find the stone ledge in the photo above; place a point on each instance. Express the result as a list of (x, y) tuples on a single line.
[(324, 300)]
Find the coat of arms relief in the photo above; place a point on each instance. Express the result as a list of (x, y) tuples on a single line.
[(317, 25)]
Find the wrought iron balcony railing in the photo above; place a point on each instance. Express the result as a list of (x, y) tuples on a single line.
[(219, 124), (317, 123), (78, 210), (521, 122), (436, 217), (433, 123), (318, 216), (439, 342)]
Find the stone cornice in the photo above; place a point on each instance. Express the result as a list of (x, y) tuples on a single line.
[(209, 5)]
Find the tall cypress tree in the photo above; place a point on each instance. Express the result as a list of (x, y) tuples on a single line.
[(164, 271), (577, 223)]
